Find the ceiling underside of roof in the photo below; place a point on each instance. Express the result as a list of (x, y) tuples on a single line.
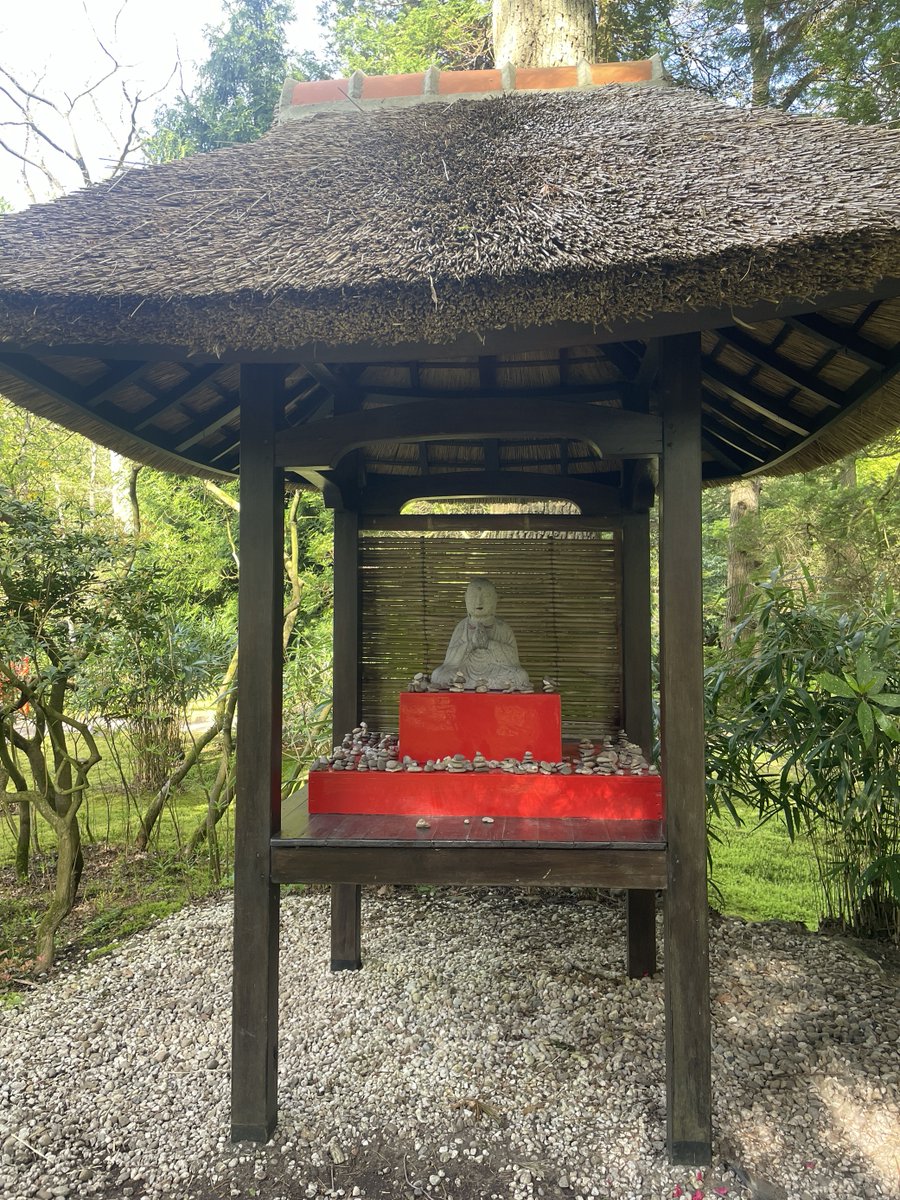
[(777, 397)]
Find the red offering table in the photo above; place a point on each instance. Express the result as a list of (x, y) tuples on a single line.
[(489, 794), (436, 724), (500, 725)]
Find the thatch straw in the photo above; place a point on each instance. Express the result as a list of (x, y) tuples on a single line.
[(512, 211), (424, 224)]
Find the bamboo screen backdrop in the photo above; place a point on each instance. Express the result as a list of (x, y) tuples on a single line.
[(561, 595)]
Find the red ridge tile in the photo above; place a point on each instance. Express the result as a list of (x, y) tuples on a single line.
[(320, 91), (456, 82), (386, 87)]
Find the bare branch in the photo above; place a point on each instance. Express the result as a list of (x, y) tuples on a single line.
[(25, 91), (30, 163)]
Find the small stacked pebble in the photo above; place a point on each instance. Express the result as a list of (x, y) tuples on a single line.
[(362, 750), (421, 682)]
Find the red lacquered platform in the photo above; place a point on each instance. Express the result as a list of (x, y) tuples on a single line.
[(435, 724), (492, 794)]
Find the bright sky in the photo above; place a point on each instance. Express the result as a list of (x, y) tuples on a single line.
[(51, 48)]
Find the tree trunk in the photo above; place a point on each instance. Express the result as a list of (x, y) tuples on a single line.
[(122, 496), (151, 816), (743, 550), (68, 840), (23, 840), (759, 46), (539, 33)]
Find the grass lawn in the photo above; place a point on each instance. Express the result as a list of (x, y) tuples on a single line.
[(758, 873)]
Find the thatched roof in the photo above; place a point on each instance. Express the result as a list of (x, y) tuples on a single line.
[(360, 234)]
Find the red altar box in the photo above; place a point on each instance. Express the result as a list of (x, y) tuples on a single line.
[(489, 794), (499, 724)]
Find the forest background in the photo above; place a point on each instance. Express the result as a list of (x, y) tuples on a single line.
[(118, 665)]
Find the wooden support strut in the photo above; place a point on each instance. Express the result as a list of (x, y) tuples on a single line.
[(346, 897), (638, 706), (258, 802), (688, 1087)]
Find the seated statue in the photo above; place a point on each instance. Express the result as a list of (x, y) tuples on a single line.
[(482, 647)]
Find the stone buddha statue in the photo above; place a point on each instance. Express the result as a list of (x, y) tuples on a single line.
[(482, 647)]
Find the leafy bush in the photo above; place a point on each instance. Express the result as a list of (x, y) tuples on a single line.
[(802, 721)]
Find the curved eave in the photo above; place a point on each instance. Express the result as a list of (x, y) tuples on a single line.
[(785, 388)]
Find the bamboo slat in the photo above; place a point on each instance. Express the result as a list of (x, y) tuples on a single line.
[(560, 595)]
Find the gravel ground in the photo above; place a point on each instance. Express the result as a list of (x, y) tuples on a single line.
[(489, 1048)]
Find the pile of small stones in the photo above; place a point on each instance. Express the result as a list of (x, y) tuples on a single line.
[(362, 750), (421, 682), (490, 1048)]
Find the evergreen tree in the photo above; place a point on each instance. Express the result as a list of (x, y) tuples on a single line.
[(239, 84)]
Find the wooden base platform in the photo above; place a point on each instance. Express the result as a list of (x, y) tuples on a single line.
[(555, 852)]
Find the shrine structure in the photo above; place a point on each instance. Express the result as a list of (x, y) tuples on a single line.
[(580, 284)]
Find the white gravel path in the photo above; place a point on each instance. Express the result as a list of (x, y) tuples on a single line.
[(489, 1048)]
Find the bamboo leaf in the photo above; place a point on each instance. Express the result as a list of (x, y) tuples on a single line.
[(887, 725), (865, 675), (866, 723), (836, 686)]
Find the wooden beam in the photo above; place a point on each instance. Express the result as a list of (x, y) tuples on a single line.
[(347, 685), (580, 392), (117, 376), (346, 628), (755, 398), (725, 459), (322, 444), (388, 495), (258, 800), (842, 338), (173, 397), (209, 423), (739, 438), (419, 523), (688, 1085), (855, 396), (825, 393), (456, 866), (113, 421)]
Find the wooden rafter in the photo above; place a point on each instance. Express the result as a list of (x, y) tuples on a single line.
[(167, 400), (739, 388), (842, 338), (855, 396), (732, 438), (759, 353), (584, 392)]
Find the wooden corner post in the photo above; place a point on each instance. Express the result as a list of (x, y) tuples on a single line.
[(688, 1084), (258, 799), (640, 904), (346, 898)]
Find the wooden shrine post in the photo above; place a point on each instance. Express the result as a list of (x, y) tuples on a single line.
[(254, 1083), (688, 1086), (640, 904), (346, 898)]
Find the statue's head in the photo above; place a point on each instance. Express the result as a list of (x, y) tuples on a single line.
[(481, 599)]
